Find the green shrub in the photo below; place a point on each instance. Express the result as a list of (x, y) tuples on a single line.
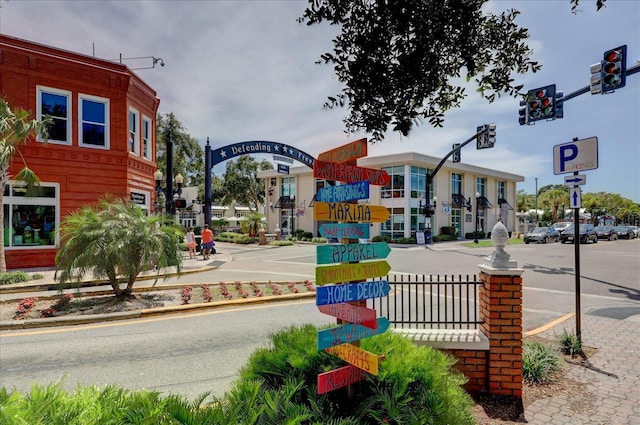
[(381, 238), (415, 384), (448, 230), (281, 243), (443, 238), (406, 240), (18, 276), (472, 235), (319, 240), (570, 344), (232, 237), (539, 363)]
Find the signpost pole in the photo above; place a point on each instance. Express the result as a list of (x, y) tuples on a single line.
[(576, 240)]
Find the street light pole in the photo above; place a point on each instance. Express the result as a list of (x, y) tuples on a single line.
[(477, 216)]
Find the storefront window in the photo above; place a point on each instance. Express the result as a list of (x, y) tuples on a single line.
[(30, 220)]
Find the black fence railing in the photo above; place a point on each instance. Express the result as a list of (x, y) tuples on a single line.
[(430, 302)]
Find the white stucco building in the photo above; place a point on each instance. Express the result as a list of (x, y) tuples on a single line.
[(455, 187)]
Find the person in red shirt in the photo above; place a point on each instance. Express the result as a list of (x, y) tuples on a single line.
[(207, 242)]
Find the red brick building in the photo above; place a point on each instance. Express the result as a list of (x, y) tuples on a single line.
[(102, 141)]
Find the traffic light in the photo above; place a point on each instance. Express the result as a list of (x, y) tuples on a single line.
[(180, 204), (541, 103), (456, 154), (559, 104), (488, 136), (522, 113), (614, 69), (595, 86)]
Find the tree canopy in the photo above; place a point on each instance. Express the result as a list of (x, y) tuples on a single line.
[(241, 182), (406, 61), (188, 155)]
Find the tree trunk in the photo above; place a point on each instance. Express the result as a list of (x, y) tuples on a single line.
[(3, 182)]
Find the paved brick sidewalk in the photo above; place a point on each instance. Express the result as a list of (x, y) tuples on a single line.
[(613, 381)]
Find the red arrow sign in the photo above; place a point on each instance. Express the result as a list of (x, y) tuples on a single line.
[(339, 378), (352, 313), (349, 173)]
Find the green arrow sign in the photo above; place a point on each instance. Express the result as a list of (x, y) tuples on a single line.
[(351, 272), (346, 253)]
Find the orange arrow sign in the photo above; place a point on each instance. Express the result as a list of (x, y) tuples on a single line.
[(341, 211), (356, 356), (344, 153)]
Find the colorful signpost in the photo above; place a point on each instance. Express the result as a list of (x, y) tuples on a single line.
[(349, 173), (344, 192), (339, 211), (345, 230), (349, 292), (350, 272), (339, 378), (355, 314), (347, 253), (345, 153), (362, 359), (349, 333)]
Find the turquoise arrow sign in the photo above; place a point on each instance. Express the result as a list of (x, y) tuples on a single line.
[(345, 230), (347, 253), (349, 333), (344, 192), (348, 292)]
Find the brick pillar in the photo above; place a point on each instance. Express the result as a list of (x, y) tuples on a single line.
[(501, 309)]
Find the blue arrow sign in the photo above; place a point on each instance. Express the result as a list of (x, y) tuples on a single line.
[(345, 230), (333, 294), (347, 253), (349, 333), (344, 192)]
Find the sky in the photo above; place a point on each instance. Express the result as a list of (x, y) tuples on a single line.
[(245, 70)]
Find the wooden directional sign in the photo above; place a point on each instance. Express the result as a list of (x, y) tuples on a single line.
[(350, 272), (349, 173), (339, 378), (356, 356), (339, 211), (345, 230), (349, 292), (355, 314), (344, 192), (344, 153), (346, 253), (349, 333)]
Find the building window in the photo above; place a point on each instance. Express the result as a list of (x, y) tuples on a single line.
[(93, 123), (395, 189), (418, 182), (418, 221), (481, 185), (30, 221), (456, 221), (394, 226), (456, 184), (134, 131), (501, 190), (56, 104), (146, 137)]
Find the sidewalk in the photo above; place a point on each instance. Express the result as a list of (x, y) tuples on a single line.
[(611, 377)]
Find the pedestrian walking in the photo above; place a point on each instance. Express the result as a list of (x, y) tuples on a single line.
[(191, 243), (207, 242)]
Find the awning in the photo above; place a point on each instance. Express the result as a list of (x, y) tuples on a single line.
[(459, 201), (503, 203), (483, 202)]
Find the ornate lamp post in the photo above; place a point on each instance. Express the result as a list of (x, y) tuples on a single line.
[(167, 192), (477, 216), (427, 209)]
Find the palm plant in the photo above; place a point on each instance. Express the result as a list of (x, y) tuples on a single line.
[(254, 219), (116, 240), (15, 130)]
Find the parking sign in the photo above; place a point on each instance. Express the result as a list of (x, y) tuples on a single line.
[(578, 155)]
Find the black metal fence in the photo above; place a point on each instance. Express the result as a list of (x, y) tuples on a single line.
[(430, 302)]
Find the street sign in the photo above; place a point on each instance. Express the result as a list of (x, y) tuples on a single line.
[(349, 173), (575, 197), (344, 153), (348, 253), (579, 155), (349, 333), (339, 378), (344, 192), (356, 356), (345, 230), (355, 314), (283, 169), (349, 292), (350, 272), (575, 180), (339, 211)]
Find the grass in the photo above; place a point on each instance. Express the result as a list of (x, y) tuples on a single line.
[(539, 363), (483, 243)]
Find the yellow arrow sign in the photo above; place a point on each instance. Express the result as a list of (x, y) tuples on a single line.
[(348, 272), (357, 357), (340, 211)]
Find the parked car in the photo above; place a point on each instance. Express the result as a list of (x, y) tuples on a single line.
[(636, 230), (625, 232), (587, 233), (561, 225), (542, 235), (607, 232)]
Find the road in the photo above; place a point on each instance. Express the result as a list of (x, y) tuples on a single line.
[(198, 352)]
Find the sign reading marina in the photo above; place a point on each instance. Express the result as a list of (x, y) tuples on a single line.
[(344, 192), (349, 173), (348, 253), (340, 211)]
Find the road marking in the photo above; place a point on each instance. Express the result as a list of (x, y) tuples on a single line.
[(549, 325)]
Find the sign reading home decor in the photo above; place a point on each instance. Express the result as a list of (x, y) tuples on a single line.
[(342, 285)]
